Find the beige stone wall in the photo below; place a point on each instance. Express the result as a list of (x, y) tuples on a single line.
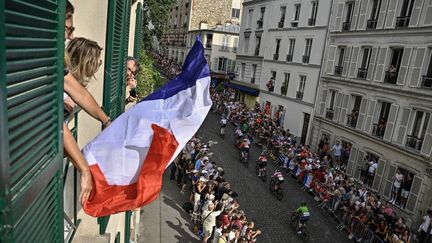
[(211, 11)]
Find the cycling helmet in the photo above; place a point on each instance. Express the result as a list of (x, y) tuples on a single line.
[(303, 204)]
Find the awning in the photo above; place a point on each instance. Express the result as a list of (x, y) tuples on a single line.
[(245, 89)]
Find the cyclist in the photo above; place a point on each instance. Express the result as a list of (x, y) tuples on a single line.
[(223, 123), (277, 178), (244, 146), (262, 163), (304, 214), (237, 135)]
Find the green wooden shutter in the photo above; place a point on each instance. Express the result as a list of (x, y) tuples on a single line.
[(31, 116), (116, 53), (138, 30)]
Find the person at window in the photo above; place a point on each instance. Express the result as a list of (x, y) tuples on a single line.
[(83, 98), (270, 84), (381, 127), (398, 178), (133, 68), (392, 72), (405, 189)]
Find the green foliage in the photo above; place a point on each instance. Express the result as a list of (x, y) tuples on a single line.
[(156, 18), (149, 78)]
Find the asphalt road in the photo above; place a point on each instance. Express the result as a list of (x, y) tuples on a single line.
[(269, 214)]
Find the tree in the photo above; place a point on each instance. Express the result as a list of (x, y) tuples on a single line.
[(156, 18)]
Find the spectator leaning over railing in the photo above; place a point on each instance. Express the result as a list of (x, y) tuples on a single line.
[(85, 100)]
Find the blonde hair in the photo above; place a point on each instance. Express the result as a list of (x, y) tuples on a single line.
[(84, 56)]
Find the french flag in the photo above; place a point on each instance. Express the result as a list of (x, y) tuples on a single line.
[(127, 160)]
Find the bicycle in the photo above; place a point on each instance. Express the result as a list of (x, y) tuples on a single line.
[(295, 217), (278, 192), (261, 173)]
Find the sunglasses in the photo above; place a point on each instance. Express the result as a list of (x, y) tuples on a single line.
[(69, 30)]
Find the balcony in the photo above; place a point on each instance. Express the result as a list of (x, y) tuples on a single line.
[(390, 77), (294, 24), (346, 26), (253, 80), (378, 130), (329, 113), (299, 95), (352, 120), (338, 70), (362, 73), (281, 23), (427, 82), (289, 58), (414, 142), (305, 59), (402, 22), (311, 21), (371, 24), (256, 53), (260, 23), (276, 56)]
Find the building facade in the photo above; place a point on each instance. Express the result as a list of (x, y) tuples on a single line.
[(192, 15), (375, 95), (281, 49)]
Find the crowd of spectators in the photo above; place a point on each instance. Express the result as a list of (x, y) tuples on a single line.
[(364, 215), (168, 67), (212, 203)]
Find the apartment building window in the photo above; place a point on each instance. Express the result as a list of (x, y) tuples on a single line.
[(271, 83), (393, 69), (254, 69), (276, 54), (243, 70), (371, 161), (209, 40), (250, 17), (353, 116), (246, 45), (339, 65), (235, 44), (373, 18), (307, 51), (222, 64), (260, 21), (312, 19), (185, 21), (297, 8), (282, 17), (257, 45), (363, 69), (349, 9), (285, 84), (290, 50), (379, 128), (235, 13), (427, 79), (330, 107), (225, 42), (301, 87), (418, 130), (187, 3), (405, 14)]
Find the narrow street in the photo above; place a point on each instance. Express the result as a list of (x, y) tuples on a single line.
[(269, 214)]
